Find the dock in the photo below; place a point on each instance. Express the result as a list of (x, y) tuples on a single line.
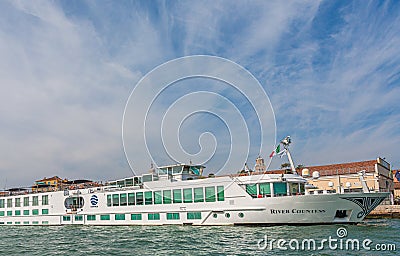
[(385, 211)]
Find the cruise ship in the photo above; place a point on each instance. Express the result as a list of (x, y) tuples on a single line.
[(180, 195)]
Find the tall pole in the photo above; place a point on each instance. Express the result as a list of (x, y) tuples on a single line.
[(290, 161), (286, 142)]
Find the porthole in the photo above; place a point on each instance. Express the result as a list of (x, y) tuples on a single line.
[(241, 214), (227, 215), (215, 215)]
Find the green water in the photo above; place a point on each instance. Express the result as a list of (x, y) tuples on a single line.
[(186, 240)]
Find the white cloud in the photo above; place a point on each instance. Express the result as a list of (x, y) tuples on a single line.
[(65, 77)]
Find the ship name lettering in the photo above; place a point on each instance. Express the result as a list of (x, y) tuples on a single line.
[(297, 211)]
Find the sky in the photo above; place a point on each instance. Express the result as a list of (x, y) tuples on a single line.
[(331, 70)]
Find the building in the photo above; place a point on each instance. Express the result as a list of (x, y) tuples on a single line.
[(345, 177), (396, 183), (48, 184), (260, 165)]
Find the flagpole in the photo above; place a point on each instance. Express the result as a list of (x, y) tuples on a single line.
[(291, 161)]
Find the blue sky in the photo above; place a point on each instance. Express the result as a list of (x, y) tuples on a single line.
[(330, 68)]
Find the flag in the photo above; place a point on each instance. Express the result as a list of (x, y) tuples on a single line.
[(277, 151)]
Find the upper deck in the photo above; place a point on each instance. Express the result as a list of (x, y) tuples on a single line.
[(177, 172)]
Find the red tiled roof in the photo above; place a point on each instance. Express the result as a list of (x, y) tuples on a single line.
[(52, 178), (345, 168)]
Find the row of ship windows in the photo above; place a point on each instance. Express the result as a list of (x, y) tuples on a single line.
[(26, 202), (187, 195), (45, 222), (137, 216), (24, 212), (134, 216), (278, 189)]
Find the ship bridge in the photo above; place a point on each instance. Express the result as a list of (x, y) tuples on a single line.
[(168, 172)]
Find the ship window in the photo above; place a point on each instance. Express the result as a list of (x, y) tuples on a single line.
[(136, 216), (45, 200), (162, 171), (108, 200), (113, 183), (137, 181), (185, 170), (122, 200), (26, 222), (173, 216), (45, 211), (26, 212), (195, 170), (105, 217), (198, 195), (17, 212), (45, 222), (251, 189), (139, 198), (9, 203), (280, 188), (115, 200), (66, 218), (294, 188), (119, 216), (35, 222), (1, 203), (194, 215), (121, 183), (131, 198), (302, 188), (35, 201), (35, 212), (153, 216), (17, 202), (187, 195), (210, 194), (176, 169), (73, 202), (166, 196), (79, 217), (220, 193), (265, 188), (129, 182), (148, 197), (18, 222), (157, 197), (147, 177), (91, 217), (9, 213), (177, 196), (1, 213), (26, 201), (9, 222)]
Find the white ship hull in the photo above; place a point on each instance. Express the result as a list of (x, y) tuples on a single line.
[(233, 206)]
